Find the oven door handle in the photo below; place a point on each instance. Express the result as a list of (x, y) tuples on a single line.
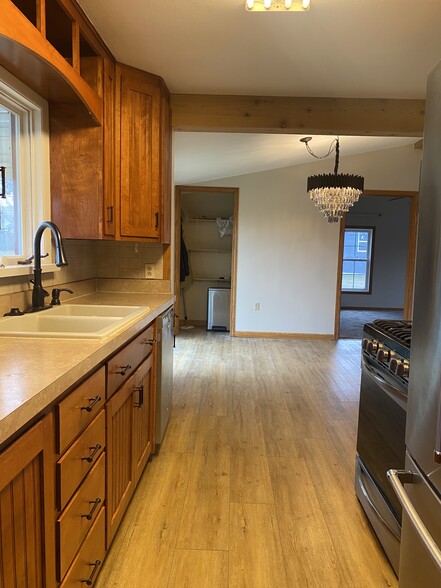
[(374, 508), (398, 478), (391, 391)]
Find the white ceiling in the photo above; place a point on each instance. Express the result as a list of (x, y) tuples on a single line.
[(339, 48), (201, 157)]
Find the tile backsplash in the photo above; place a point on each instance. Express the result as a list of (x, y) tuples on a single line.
[(128, 260), (94, 265)]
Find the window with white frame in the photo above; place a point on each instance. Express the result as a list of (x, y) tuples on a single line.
[(24, 153), (357, 260)]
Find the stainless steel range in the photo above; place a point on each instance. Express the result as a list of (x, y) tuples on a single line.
[(381, 427)]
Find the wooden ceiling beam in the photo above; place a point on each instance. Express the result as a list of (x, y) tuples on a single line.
[(320, 116)]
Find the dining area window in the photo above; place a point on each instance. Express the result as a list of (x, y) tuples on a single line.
[(357, 259)]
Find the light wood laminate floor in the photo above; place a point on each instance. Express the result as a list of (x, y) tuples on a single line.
[(253, 485)]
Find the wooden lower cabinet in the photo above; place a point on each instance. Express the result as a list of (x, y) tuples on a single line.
[(130, 441), (66, 482), (79, 516), (87, 564), (27, 513), (81, 477)]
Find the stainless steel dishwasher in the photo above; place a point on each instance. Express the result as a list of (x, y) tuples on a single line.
[(164, 372)]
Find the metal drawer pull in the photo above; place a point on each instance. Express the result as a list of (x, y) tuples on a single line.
[(397, 478), (110, 214), (92, 402), (95, 503), (156, 220), (140, 390), (89, 581), (149, 341), (123, 369), (96, 448)]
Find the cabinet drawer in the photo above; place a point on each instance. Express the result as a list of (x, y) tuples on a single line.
[(127, 360), (80, 514), (89, 559), (79, 459), (76, 411)]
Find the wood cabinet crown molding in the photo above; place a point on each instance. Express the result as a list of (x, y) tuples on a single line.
[(26, 53)]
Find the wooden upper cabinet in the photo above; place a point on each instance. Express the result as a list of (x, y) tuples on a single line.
[(82, 161), (139, 154)]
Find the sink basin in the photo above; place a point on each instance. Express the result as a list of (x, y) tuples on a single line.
[(71, 321), (95, 310)]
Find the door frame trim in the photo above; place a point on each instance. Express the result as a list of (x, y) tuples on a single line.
[(411, 253), (178, 192)]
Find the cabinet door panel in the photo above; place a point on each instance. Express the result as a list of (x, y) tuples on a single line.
[(143, 444), (26, 509), (120, 484), (140, 155)]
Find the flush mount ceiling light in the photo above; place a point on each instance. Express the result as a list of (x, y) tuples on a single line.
[(277, 5), (333, 194)]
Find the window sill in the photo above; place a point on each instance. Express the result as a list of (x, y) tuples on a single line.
[(25, 270)]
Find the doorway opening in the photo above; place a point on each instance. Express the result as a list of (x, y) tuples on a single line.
[(376, 261), (205, 257)]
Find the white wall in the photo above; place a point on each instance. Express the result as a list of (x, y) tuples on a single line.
[(287, 252)]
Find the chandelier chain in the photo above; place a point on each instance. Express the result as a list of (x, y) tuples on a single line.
[(334, 146)]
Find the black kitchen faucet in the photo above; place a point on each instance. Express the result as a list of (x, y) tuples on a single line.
[(38, 292)]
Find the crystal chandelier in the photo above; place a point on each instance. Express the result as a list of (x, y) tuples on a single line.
[(277, 5), (333, 194)]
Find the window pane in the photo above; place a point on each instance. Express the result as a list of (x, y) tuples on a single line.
[(360, 268), (10, 225), (357, 248)]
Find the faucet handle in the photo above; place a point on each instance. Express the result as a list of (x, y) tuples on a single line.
[(56, 295), (45, 292), (29, 260)]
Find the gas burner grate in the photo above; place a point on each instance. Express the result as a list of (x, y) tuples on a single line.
[(399, 330)]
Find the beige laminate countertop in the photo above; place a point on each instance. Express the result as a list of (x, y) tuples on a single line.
[(35, 372)]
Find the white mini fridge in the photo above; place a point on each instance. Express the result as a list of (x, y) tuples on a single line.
[(218, 315)]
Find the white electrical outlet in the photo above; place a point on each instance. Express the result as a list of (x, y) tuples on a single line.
[(257, 306), (149, 271)]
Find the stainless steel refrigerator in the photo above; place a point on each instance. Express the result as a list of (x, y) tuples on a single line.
[(419, 486)]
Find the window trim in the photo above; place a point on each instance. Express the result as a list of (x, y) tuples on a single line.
[(370, 261), (34, 150)]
